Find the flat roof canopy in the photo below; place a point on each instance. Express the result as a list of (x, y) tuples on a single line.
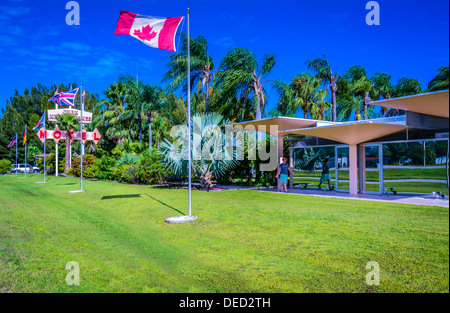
[(283, 123), (351, 133), (434, 103)]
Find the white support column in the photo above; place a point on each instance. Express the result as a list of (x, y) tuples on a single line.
[(353, 168), (291, 165), (362, 168), (280, 155)]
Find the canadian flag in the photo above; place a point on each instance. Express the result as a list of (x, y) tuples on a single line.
[(156, 32)]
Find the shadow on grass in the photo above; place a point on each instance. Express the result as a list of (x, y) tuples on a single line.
[(68, 184), (165, 204), (121, 196)]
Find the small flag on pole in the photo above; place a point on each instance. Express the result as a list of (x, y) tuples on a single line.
[(25, 136), (156, 32), (13, 142), (65, 98), (40, 124)]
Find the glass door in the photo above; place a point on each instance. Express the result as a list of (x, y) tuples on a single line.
[(371, 169), (341, 165)]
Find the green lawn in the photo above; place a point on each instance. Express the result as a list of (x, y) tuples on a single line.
[(243, 241)]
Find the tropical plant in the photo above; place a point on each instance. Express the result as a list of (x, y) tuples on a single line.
[(302, 93), (69, 123), (209, 144), (323, 69), (201, 66), (240, 80), (440, 81), (5, 166)]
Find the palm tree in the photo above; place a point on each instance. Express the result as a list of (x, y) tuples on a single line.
[(113, 116), (383, 87), (407, 87), (324, 71), (303, 92), (201, 66), (69, 123), (440, 81), (209, 138), (239, 80)]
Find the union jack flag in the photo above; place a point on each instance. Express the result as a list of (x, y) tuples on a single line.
[(65, 98), (13, 142)]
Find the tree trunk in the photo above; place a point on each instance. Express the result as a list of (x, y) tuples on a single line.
[(140, 130), (333, 87), (150, 137), (258, 107), (207, 95), (67, 163)]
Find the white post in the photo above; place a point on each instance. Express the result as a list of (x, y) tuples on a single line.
[(82, 144), (279, 157), (353, 168), (26, 151), (56, 147), (189, 112), (291, 165), (17, 143), (45, 143)]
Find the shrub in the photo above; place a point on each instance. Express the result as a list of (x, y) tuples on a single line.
[(103, 168), (88, 168), (151, 170), (5, 166)]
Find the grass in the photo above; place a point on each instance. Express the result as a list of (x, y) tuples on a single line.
[(243, 241)]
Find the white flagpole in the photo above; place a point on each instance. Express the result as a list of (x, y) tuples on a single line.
[(189, 112), (26, 150), (82, 144), (56, 147), (45, 144), (17, 143)]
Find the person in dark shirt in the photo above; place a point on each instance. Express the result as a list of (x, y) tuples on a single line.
[(325, 173), (283, 171)]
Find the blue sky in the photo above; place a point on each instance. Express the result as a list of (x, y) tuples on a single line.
[(37, 46)]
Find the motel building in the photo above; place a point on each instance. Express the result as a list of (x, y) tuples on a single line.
[(404, 154)]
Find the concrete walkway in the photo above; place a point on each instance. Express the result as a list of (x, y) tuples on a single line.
[(415, 199)]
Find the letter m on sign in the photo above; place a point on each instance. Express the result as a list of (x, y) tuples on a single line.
[(42, 134)]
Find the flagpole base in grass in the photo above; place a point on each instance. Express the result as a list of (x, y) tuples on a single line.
[(75, 191), (180, 219)]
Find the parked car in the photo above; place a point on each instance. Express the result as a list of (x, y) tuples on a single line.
[(22, 167)]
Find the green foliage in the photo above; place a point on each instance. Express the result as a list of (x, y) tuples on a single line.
[(104, 167), (88, 166), (5, 166)]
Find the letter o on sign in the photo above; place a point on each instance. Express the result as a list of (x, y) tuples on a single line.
[(57, 134)]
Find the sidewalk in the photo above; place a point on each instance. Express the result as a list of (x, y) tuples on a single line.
[(415, 199)]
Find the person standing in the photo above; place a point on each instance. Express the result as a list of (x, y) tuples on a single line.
[(325, 174), (283, 171)]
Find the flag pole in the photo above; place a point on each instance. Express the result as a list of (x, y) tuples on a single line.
[(17, 141), (56, 145), (82, 144), (189, 112), (45, 144), (25, 150)]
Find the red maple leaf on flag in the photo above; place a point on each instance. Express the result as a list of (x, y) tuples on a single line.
[(145, 33)]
